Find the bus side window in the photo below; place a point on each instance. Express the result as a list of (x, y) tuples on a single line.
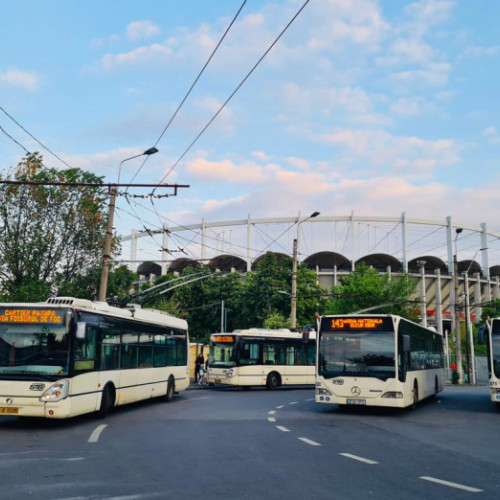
[(85, 350)]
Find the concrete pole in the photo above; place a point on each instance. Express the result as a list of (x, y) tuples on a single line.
[(458, 344), (471, 368), (423, 302), (106, 257), (293, 315)]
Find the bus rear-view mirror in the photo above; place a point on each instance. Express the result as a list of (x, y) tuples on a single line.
[(80, 330)]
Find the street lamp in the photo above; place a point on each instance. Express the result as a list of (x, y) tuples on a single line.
[(458, 346), (293, 315), (106, 257)]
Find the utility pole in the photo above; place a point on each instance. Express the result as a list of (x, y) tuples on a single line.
[(458, 343), (293, 317), (293, 314)]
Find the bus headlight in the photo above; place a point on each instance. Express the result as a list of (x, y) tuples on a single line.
[(56, 392), (323, 392), (230, 373), (393, 395)]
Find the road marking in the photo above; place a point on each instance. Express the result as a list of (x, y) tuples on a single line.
[(294, 402), (361, 459), (312, 399), (283, 429), (280, 406), (452, 485), (310, 441), (272, 412), (191, 399), (271, 419), (94, 437)]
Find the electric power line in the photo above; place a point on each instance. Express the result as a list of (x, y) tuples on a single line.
[(234, 91), (193, 85)]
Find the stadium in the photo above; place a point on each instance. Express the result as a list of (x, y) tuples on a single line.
[(429, 251)]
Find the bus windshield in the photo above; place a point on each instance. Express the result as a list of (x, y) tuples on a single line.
[(363, 354), (222, 354), (495, 344), (33, 349)]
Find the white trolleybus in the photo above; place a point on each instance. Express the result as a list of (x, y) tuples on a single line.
[(67, 356), (377, 360), (260, 357), (490, 335)]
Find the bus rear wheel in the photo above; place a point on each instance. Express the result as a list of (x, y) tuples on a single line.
[(273, 381)]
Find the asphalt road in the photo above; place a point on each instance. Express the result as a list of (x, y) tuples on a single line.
[(223, 443)]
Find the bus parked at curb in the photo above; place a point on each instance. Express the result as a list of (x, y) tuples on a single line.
[(490, 335), (377, 360), (260, 357), (68, 356)]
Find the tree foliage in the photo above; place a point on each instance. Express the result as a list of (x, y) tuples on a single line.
[(50, 236), (365, 288)]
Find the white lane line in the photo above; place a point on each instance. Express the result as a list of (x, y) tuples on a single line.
[(294, 402), (361, 459), (272, 412), (191, 399), (283, 429), (94, 437), (311, 399), (309, 441), (271, 419), (452, 485), (280, 406)]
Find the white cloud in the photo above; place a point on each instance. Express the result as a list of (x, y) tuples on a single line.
[(260, 155), (141, 55), (434, 74), (142, 29), (298, 162), (477, 51), (406, 107), (29, 80), (387, 151), (490, 131)]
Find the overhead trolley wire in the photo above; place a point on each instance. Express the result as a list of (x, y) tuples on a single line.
[(34, 138), (192, 86), (233, 93)]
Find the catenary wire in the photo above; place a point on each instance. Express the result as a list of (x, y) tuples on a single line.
[(192, 86), (233, 93), (34, 138)]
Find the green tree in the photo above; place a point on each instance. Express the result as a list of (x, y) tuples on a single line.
[(50, 236), (366, 288), (491, 310)]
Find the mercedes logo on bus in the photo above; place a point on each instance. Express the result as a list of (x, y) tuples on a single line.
[(356, 390)]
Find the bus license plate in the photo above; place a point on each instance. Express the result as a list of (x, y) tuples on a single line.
[(217, 381), (356, 401), (7, 410)]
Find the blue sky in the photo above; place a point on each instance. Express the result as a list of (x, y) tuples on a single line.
[(374, 106)]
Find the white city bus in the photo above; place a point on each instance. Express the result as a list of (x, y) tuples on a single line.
[(377, 360), (490, 335), (68, 356), (260, 357)]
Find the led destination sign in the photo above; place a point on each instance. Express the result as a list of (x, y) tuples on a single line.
[(357, 323), (39, 316), (222, 338)]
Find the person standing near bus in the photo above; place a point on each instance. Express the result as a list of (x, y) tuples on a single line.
[(198, 364)]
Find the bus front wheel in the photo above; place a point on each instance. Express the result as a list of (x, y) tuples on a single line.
[(415, 396), (170, 390), (107, 402), (273, 381)]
